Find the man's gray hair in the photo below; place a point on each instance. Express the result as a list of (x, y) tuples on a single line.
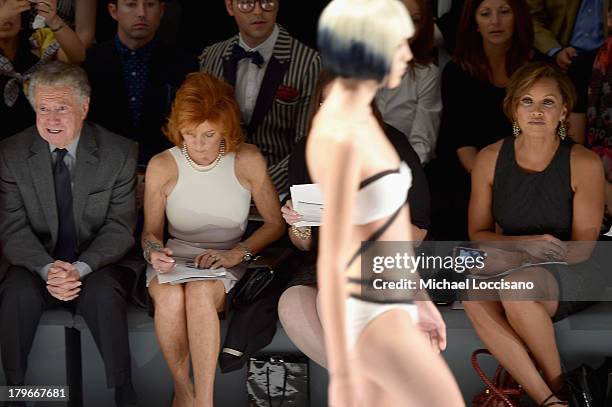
[(58, 73)]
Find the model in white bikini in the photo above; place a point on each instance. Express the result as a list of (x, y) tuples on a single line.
[(377, 353)]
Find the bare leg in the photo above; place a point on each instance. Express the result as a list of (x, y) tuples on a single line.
[(530, 317), (490, 322), (297, 310), (204, 300), (531, 321), (171, 331), (392, 352), (372, 394)]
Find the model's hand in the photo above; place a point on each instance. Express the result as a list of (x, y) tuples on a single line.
[(161, 260), (289, 214), (544, 248), (213, 259), (432, 325), (564, 57), (12, 8)]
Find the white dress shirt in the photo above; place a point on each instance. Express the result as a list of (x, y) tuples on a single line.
[(249, 77)]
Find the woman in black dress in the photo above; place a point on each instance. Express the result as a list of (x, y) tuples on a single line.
[(542, 195), (496, 39)]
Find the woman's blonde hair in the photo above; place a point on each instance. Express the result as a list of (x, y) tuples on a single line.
[(358, 38)]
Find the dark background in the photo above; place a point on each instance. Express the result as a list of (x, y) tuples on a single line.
[(194, 24)]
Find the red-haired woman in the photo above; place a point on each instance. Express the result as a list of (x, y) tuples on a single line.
[(203, 186), (496, 38)]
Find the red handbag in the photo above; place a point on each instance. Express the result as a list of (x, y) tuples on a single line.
[(504, 391)]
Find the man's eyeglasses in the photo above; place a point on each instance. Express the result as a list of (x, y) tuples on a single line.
[(246, 6)]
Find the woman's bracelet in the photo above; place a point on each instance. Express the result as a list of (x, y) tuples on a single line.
[(58, 28), (149, 247), (304, 233)]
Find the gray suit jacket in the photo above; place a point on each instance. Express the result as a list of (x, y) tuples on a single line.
[(103, 199)]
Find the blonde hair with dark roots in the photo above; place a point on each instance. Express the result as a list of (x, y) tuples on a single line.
[(203, 97), (358, 38)]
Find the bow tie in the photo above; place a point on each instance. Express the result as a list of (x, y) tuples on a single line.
[(239, 53)]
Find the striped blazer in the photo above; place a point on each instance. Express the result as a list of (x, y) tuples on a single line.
[(280, 116)]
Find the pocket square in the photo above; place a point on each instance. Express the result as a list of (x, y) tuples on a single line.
[(287, 94)]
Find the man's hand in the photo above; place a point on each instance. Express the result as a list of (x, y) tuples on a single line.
[(63, 281), (11, 8), (564, 57)]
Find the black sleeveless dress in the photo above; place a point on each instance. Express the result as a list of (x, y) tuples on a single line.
[(536, 203)]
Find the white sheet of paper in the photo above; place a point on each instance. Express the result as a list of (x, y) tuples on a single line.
[(182, 272), (307, 200), (609, 232)]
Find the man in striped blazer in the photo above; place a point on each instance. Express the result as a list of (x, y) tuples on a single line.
[(273, 75)]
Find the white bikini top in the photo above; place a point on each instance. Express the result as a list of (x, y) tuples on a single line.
[(382, 194)]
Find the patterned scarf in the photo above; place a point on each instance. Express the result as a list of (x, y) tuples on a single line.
[(44, 45)]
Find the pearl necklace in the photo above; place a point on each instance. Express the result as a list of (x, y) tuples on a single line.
[(205, 168)]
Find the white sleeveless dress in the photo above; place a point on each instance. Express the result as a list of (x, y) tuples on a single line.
[(206, 210)]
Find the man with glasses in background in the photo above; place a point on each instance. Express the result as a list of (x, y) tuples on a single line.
[(273, 75)]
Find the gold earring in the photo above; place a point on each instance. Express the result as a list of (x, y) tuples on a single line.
[(562, 130), (516, 130)]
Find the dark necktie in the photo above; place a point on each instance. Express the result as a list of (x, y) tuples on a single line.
[(239, 53), (66, 246)]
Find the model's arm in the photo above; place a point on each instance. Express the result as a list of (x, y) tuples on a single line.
[(341, 171)]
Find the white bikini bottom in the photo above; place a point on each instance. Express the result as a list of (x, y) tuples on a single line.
[(359, 313)]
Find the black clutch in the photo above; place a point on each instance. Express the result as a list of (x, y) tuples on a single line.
[(252, 284)]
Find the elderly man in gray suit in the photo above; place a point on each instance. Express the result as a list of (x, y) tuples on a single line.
[(67, 216)]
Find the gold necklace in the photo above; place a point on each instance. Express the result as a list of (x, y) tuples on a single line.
[(205, 168)]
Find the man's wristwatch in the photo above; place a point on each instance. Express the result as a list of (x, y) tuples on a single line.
[(248, 257)]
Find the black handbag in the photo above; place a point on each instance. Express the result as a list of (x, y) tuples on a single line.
[(252, 284), (258, 276), (579, 384)]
